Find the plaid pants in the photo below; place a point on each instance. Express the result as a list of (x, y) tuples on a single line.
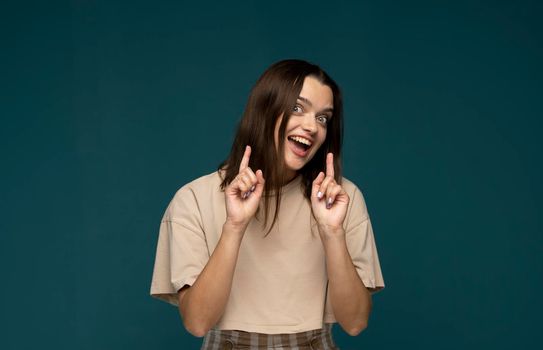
[(234, 339)]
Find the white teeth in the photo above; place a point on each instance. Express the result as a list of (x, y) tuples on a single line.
[(301, 140)]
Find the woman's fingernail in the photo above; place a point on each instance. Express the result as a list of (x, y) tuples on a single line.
[(329, 201), (245, 195), (328, 205), (319, 194), (252, 188)]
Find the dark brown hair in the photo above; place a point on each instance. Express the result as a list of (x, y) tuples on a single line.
[(275, 93)]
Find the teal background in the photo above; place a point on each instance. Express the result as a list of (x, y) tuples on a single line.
[(109, 107)]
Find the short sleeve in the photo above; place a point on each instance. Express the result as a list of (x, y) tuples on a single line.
[(182, 250), (361, 244)]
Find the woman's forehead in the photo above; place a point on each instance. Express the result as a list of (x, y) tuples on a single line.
[(316, 94)]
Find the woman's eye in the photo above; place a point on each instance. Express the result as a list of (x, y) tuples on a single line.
[(323, 119), (297, 108)]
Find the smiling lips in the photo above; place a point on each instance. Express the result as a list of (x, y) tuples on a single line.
[(299, 145)]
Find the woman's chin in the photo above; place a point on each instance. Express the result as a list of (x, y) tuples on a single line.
[(295, 165)]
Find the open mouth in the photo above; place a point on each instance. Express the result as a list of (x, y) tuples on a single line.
[(300, 146)]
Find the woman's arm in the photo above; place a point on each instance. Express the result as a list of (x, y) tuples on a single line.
[(202, 304), (351, 301)]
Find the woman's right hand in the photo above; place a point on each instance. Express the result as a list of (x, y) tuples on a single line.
[(243, 194)]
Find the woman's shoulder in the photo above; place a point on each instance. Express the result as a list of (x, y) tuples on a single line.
[(191, 196), (349, 186), (204, 183), (355, 192), (357, 201)]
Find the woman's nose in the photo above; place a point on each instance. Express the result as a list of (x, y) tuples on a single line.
[(309, 123)]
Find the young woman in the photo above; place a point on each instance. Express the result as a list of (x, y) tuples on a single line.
[(275, 246)]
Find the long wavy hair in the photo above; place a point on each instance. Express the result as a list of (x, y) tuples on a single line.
[(274, 94)]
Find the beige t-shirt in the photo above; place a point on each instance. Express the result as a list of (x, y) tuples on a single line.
[(280, 281)]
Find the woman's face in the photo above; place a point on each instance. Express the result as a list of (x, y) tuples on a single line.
[(305, 131)]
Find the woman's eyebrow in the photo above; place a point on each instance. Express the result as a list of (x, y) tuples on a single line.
[(329, 109)]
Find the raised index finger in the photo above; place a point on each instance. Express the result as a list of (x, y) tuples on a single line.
[(245, 160), (330, 165)]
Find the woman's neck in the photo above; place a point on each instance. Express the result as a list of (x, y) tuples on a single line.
[(290, 177)]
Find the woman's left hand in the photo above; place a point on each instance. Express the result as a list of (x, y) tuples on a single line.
[(329, 201)]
